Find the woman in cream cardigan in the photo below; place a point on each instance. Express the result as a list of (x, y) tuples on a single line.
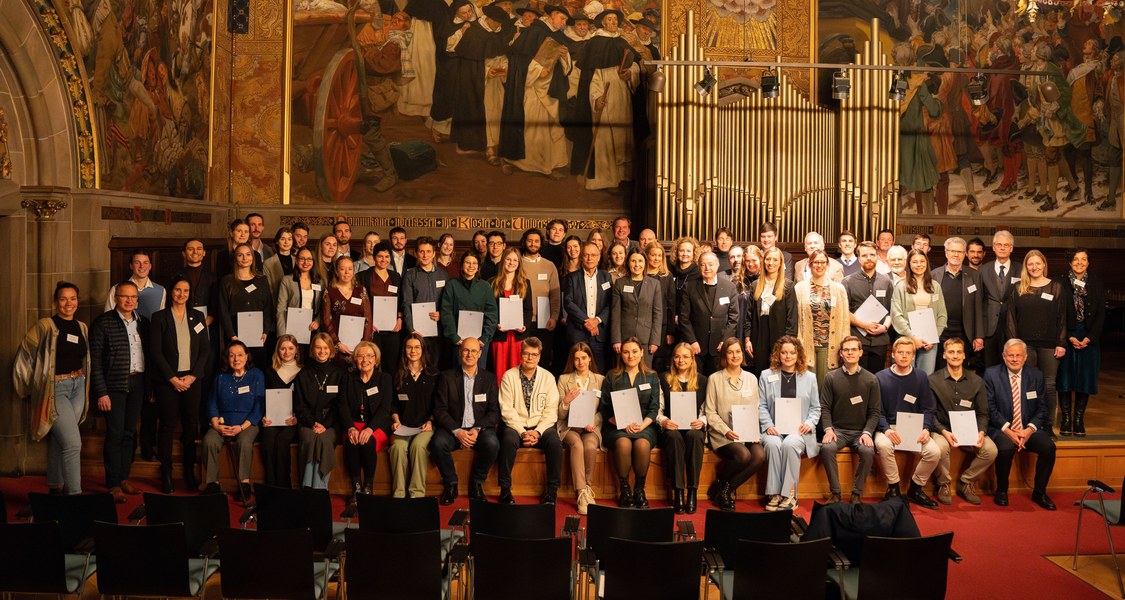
[(916, 291), (741, 458), (580, 375), (822, 316)]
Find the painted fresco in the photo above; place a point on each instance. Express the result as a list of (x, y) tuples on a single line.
[(1040, 146), (149, 69), (408, 101)]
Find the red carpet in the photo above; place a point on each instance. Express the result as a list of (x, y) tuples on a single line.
[(1003, 548)]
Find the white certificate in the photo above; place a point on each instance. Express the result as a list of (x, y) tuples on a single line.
[(922, 325), (964, 426), (404, 431), (470, 323), (683, 409), (423, 324), (511, 313), (909, 428), (542, 311), (871, 311), (384, 312), (279, 406), (351, 331), (744, 421), (787, 415), (250, 328), (297, 321), (626, 407), (582, 410)]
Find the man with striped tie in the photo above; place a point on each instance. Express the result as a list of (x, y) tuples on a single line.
[(1016, 408)]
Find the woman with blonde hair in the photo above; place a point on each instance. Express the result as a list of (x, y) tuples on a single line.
[(273, 438), (365, 416), (657, 268), (822, 315), (683, 448), (1037, 315), (771, 311), (580, 375)]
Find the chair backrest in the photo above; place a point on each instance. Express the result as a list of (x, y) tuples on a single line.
[(267, 564), (32, 555), (723, 530), (203, 515), (637, 569), (780, 570), (3, 509), (502, 565), (397, 515), (524, 521), (142, 560), (76, 514), (604, 522), (410, 563), (283, 508), (892, 565)]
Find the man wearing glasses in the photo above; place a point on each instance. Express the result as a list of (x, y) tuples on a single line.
[(529, 406), (849, 413), (466, 411), (118, 339), (490, 264)]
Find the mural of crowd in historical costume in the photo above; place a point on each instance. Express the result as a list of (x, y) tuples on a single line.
[(397, 100), (149, 67), (1044, 145)]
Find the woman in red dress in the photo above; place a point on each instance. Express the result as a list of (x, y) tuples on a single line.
[(510, 282)]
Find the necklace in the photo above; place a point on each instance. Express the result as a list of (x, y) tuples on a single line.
[(731, 382), (788, 377), (320, 384)]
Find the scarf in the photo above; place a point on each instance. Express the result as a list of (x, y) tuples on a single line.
[(1079, 295)]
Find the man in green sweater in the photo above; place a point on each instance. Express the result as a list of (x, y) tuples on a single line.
[(849, 413)]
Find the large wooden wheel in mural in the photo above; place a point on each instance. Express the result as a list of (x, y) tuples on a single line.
[(338, 127)]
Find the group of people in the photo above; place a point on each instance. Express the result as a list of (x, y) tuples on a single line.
[(557, 343)]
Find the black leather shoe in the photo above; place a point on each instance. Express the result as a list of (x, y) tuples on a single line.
[(506, 496), (476, 492), (212, 488), (678, 501), (448, 494), (892, 492), (640, 500), (918, 496), (1042, 500), (190, 482), (625, 496), (551, 496), (166, 481), (713, 490), (689, 501), (1000, 498)]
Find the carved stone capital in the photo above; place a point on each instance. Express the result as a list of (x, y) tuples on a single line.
[(44, 210)]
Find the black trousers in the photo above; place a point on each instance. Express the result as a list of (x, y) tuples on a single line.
[(277, 457), (510, 443), (683, 453), (390, 350), (484, 454), (178, 408), (361, 461), (1039, 443), (121, 430), (874, 358)]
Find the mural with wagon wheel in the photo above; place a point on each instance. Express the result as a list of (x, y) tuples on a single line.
[(462, 102)]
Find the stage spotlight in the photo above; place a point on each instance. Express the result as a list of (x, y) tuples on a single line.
[(841, 85), (770, 86), (705, 85), (656, 81), (978, 90), (898, 87)]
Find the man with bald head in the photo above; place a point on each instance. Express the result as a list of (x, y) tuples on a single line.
[(813, 242), (647, 237), (708, 313)]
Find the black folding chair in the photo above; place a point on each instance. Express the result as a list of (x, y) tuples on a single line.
[(281, 564), (632, 573), (203, 516), (75, 514), (725, 529), (504, 567), (1110, 512), (898, 569), (779, 570), (605, 522), (410, 562), (149, 560), (34, 559), (283, 508), (408, 515), (523, 521)]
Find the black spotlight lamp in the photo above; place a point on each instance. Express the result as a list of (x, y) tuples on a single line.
[(771, 88), (899, 85), (978, 90), (841, 85), (705, 85)]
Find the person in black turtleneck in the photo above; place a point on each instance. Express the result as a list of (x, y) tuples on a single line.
[(365, 415), (319, 387)]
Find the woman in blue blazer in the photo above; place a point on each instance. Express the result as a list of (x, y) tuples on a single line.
[(787, 377)]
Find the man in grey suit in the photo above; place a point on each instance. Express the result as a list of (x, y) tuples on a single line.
[(964, 299), (708, 313), (1000, 278)]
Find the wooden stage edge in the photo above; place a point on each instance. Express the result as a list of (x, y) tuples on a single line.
[(1077, 461)]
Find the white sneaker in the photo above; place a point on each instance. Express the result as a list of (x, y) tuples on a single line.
[(590, 495), (583, 501)]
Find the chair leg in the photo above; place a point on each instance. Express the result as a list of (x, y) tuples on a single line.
[(1078, 532), (231, 449), (1109, 536)]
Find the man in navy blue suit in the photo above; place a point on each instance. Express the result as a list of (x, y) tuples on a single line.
[(1016, 410), (586, 295)]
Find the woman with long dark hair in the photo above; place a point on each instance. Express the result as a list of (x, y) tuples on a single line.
[(1085, 316)]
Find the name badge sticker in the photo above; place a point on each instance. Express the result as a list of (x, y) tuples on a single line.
[(1080, 283), (244, 389), (628, 289), (605, 286), (373, 391), (773, 378), (645, 386), (1015, 279), (480, 398), (597, 393), (403, 398), (439, 283), (542, 277), (966, 403), (1032, 395), (251, 288), (725, 300), (71, 338), (316, 287), (1048, 297), (910, 399), (880, 293), (333, 389), (392, 289), (198, 328), (972, 289), (356, 300), (857, 399)]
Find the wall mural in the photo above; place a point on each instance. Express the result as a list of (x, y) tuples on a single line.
[(1045, 146), (408, 101), (149, 67)]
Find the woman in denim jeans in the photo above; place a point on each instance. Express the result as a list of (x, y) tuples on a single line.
[(51, 368)]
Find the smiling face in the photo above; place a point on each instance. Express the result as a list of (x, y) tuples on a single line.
[(382, 260), (300, 237), (1015, 356), (636, 265), (723, 241), (141, 266), (685, 254), (773, 262), (66, 302), (125, 298), (304, 260), (343, 233), (732, 354), (573, 249), (236, 358), (425, 253), (1035, 266), (320, 350), (244, 257), (194, 252), (590, 257), (328, 249), (556, 232), (447, 247), (767, 239), (413, 350), (818, 265), (181, 292), (655, 258), (868, 259), (846, 244), (1080, 263), (617, 255), (631, 354), (511, 262), (531, 244), (240, 234), (287, 351), (708, 267), (285, 242), (469, 267), (345, 271), (787, 355), (682, 360), (919, 265)]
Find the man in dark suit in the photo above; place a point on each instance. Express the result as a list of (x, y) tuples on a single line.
[(708, 313), (466, 412), (586, 297), (964, 300), (1016, 426), (1000, 277), (401, 260)]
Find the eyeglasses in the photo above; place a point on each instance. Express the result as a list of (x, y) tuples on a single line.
[(469, 351), (496, 244), (819, 263), (127, 297), (365, 357), (305, 259), (530, 354)]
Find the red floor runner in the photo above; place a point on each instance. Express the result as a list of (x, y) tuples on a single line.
[(1003, 548)]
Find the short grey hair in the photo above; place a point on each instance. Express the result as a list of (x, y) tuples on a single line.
[(1015, 342), (896, 249), (955, 240), (1003, 234)]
